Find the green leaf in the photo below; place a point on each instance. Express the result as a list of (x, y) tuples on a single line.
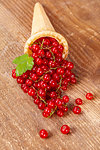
[(24, 63)]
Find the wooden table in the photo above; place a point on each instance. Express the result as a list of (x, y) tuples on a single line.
[(20, 120)]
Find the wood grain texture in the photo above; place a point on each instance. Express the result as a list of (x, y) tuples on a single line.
[(20, 120)]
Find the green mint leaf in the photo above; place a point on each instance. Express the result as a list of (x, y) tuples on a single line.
[(24, 63)]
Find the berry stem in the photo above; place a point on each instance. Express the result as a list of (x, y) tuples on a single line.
[(52, 112)]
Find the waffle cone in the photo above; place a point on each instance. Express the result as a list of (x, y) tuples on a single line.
[(42, 27)]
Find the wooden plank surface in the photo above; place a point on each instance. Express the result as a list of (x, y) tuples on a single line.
[(20, 120)]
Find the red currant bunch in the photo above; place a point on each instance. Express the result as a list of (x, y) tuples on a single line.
[(50, 75)]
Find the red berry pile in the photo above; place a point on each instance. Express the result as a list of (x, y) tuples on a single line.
[(50, 75)]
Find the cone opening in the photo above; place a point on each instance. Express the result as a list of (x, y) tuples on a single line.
[(55, 35)]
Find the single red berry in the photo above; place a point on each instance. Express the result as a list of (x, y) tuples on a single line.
[(42, 92), (65, 129), (65, 82), (65, 109), (73, 80), (76, 110), (28, 82), (41, 53), (60, 113), (39, 71), (34, 69), (60, 48), (41, 105), (46, 77), (25, 75), (89, 96), (54, 50), (34, 55), (43, 133), (14, 74), (45, 61), (55, 43), (48, 88), (52, 39), (20, 80), (51, 104), (70, 65), (44, 68), (63, 87), (65, 99), (78, 101), (37, 101), (47, 110), (48, 54), (72, 75), (60, 71), (58, 102), (53, 94), (31, 92), (56, 77), (46, 41), (43, 84), (26, 89), (35, 47), (38, 61), (53, 83), (68, 72), (45, 114), (33, 76)]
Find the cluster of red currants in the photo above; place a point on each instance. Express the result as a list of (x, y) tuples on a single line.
[(49, 76)]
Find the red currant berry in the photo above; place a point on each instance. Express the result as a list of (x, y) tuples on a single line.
[(65, 109), (28, 82), (55, 43), (65, 129), (70, 65), (47, 110), (53, 94), (43, 133), (14, 73), (78, 101), (31, 92), (60, 48), (64, 88), (53, 83), (54, 50), (48, 88), (43, 85), (42, 92), (39, 71), (48, 54), (20, 80), (41, 105), (72, 75), (34, 55), (45, 114), (65, 99), (25, 75), (58, 102), (68, 72), (51, 104), (73, 80), (60, 113), (46, 77), (76, 110), (45, 61), (89, 96), (38, 61), (41, 53), (37, 101), (56, 77), (34, 77), (46, 41), (26, 89), (60, 71), (35, 47)]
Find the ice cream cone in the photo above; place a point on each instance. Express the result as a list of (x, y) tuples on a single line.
[(42, 27)]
